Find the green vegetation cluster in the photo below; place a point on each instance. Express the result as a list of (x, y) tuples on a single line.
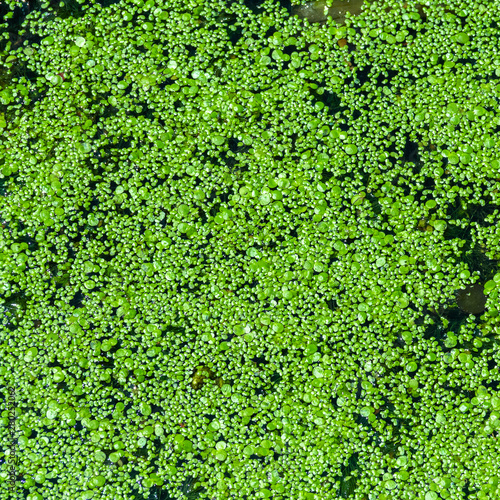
[(245, 255)]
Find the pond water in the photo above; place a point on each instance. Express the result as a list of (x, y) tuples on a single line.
[(318, 11), (472, 299)]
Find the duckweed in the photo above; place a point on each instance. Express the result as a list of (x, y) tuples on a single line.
[(250, 249)]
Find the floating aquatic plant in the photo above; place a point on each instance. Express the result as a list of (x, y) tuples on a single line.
[(248, 256)]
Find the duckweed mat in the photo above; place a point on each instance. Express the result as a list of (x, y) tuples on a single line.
[(249, 249)]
